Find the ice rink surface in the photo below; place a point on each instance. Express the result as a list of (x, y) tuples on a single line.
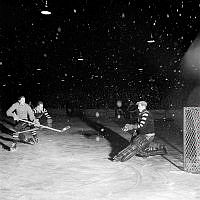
[(74, 165)]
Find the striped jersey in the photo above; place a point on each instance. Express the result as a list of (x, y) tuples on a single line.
[(145, 122), (39, 113)]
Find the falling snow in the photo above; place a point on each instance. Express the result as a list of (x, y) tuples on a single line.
[(96, 47)]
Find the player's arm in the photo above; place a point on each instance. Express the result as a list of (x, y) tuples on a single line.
[(48, 116), (32, 116), (143, 121), (11, 112), (140, 125)]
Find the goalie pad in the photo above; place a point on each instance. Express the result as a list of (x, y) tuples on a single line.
[(126, 153), (153, 150), (138, 144), (141, 142)]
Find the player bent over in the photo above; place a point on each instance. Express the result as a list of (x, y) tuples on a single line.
[(142, 137), (22, 111)]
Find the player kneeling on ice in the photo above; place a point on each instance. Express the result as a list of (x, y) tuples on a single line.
[(40, 111), (141, 143), (22, 111)]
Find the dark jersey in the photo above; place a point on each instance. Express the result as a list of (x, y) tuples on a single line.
[(145, 122), (38, 114)]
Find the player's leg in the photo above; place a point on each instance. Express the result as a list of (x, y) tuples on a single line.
[(13, 146), (131, 150), (139, 142), (35, 136), (8, 143), (128, 150), (153, 149), (22, 132)]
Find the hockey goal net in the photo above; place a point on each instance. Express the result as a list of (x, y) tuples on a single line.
[(191, 139)]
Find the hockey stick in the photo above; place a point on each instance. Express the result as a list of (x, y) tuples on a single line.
[(29, 130), (47, 127)]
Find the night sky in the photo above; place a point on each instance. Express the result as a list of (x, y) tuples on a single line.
[(96, 50)]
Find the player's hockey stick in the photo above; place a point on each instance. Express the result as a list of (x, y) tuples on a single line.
[(29, 130), (47, 127)]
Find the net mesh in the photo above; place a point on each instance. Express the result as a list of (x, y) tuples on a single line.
[(191, 139)]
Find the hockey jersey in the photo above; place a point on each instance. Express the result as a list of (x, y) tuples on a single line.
[(38, 113), (145, 122)]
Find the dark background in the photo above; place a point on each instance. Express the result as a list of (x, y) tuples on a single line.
[(92, 53)]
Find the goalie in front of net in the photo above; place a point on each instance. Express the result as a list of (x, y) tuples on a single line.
[(141, 143)]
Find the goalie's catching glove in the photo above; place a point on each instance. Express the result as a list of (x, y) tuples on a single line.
[(129, 127)]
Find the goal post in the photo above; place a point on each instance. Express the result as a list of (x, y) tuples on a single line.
[(191, 139)]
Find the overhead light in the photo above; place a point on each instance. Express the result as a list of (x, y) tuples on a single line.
[(151, 41), (46, 10)]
